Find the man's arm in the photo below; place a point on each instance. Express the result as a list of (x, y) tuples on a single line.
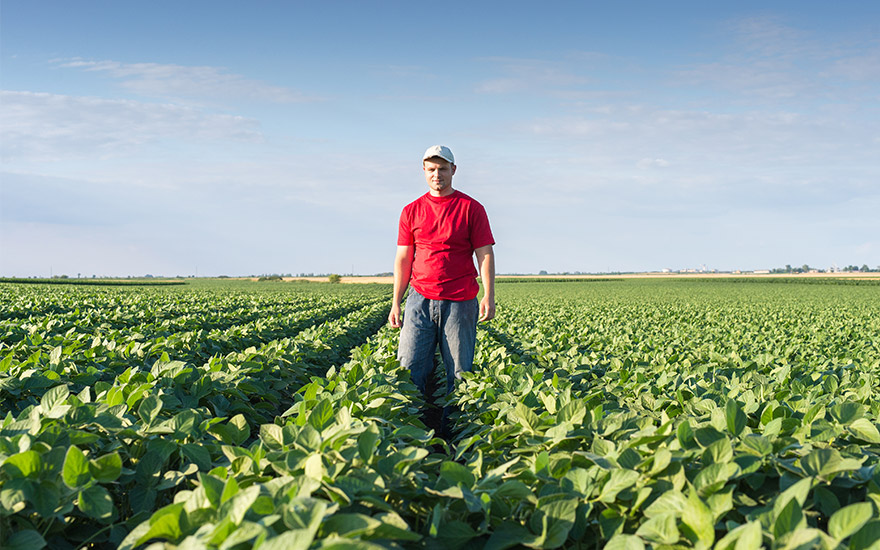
[(403, 261), (486, 262)]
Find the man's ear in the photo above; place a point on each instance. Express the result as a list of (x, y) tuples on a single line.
[(453, 169)]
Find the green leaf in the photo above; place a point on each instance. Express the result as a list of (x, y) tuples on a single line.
[(106, 468), (825, 462), (790, 519), (314, 466), (736, 418), (46, 497), (350, 525), (6, 362), (308, 437), (213, 488), (54, 397), (807, 538), (304, 513), (817, 411), (549, 402), (557, 521), (573, 412), (368, 442), (752, 536), (26, 539), (618, 480), (241, 427), (393, 527), (296, 539), (526, 418), (75, 472), (745, 537), (625, 542), (610, 523), (95, 502), (436, 517), (670, 501), (321, 415), (514, 489), (271, 434), (846, 412), (455, 534), (163, 368), (26, 464), (660, 460), (798, 492), (698, 524), (718, 452), (850, 519), (164, 524), (456, 473), (825, 501), (183, 423), (661, 529), (685, 435), (14, 495), (149, 409), (237, 506), (230, 489), (865, 430), (713, 477), (198, 454), (708, 435), (542, 461), (506, 535), (867, 538), (757, 445)]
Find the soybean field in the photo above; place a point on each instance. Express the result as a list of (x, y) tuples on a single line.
[(618, 414)]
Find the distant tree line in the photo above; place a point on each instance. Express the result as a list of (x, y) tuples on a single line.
[(806, 269)]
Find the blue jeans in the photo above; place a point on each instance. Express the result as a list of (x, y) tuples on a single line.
[(429, 323)]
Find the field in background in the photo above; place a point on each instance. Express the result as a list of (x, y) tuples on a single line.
[(390, 280), (623, 413)]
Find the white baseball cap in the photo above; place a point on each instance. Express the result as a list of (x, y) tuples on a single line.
[(441, 151)]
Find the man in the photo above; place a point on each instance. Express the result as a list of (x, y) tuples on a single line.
[(438, 235)]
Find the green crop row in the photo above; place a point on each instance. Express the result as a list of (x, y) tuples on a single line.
[(90, 282), (97, 436), (622, 415)]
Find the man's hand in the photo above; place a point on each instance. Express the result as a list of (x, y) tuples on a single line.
[(403, 261), (486, 263), (394, 317), (487, 309)]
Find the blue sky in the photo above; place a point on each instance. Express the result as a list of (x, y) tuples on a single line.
[(213, 138)]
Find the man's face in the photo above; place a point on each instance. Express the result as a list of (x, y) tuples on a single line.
[(438, 174)]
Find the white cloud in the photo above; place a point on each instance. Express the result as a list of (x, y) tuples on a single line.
[(768, 36), (51, 127), (859, 67), (647, 163), (183, 82), (518, 75), (769, 80), (766, 59)]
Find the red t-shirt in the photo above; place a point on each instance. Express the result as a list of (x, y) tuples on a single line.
[(445, 232)]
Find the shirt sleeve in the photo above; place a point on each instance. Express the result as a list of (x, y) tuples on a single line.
[(480, 232), (404, 230)]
